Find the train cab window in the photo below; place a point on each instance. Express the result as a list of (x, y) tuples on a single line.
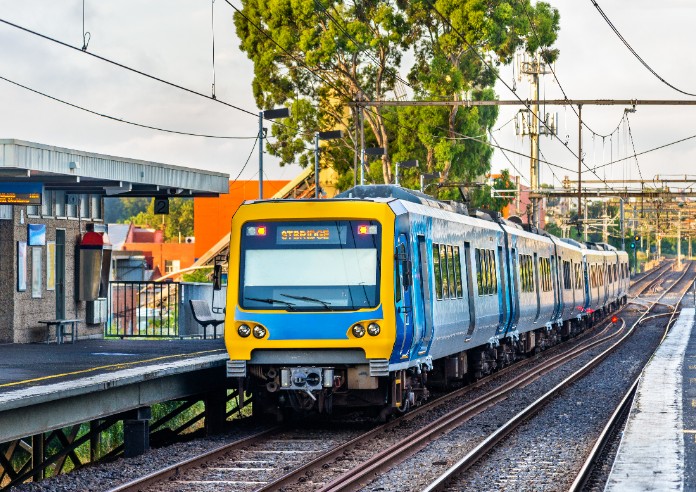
[(437, 271), (458, 272)]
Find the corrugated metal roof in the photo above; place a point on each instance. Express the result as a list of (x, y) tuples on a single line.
[(62, 168)]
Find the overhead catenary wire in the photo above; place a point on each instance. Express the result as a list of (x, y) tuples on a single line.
[(126, 67), (120, 120), (526, 104), (630, 48)]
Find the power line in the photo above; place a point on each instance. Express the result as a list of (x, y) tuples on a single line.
[(630, 48), (120, 120), (126, 67), (527, 105), (645, 152)]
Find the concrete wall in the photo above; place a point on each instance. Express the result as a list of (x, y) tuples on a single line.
[(25, 311)]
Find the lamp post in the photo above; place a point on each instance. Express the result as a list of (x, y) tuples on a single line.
[(408, 163), (368, 151), (425, 176), (330, 135), (269, 114)]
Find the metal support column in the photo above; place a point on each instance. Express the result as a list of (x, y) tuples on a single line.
[(38, 456), (215, 411), (136, 433), (623, 233)]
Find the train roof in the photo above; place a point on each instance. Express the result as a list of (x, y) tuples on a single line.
[(388, 191)]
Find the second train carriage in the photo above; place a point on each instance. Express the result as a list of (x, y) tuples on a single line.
[(355, 301)]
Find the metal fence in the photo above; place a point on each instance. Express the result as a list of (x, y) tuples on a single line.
[(143, 309)]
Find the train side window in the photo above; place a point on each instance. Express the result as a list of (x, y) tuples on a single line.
[(494, 273), (445, 275), (458, 272), (479, 274), (436, 271), (566, 275), (451, 273)]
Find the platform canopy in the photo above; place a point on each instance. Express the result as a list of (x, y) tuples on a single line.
[(75, 171)]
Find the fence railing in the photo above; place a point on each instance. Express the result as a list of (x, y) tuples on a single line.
[(143, 309)]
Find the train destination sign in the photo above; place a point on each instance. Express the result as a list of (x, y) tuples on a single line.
[(20, 193)]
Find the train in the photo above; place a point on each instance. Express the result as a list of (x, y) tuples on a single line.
[(373, 298)]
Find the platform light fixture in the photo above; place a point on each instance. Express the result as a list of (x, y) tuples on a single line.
[(425, 176), (327, 135), (408, 163), (269, 114)]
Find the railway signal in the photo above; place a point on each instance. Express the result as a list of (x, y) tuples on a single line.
[(614, 319)]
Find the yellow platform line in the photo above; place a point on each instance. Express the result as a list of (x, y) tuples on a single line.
[(108, 367)]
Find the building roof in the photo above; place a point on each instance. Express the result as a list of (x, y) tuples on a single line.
[(86, 172)]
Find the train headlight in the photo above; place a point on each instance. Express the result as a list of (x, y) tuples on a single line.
[(244, 331), (358, 331), (373, 329), (259, 331)]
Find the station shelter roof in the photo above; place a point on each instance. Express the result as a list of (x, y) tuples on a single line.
[(87, 172)]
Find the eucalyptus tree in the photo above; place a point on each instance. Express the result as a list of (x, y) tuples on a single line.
[(317, 55)]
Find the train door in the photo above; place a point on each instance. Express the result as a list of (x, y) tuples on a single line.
[(516, 282), (424, 286), (402, 296), (557, 293), (470, 288), (537, 287), (504, 319)]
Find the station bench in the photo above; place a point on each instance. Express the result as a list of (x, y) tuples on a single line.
[(204, 317), (62, 328)]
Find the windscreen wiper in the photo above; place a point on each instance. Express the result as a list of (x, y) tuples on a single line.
[(327, 305), (270, 300)]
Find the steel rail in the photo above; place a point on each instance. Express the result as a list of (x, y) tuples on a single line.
[(619, 415), (357, 478), (174, 470), (498, 435)]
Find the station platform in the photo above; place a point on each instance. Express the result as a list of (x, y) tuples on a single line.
[(658, 447), (45, 386), (25, 365)]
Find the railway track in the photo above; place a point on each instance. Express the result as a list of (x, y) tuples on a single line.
[(456, 475), (353, 462), (591, 474)]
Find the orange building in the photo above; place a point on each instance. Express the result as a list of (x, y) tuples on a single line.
[(212, 217), (161, 257)]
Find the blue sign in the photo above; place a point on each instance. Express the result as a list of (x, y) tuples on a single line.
[(37, 234), (20, 193)]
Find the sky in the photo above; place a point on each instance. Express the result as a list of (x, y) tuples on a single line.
[(173, 40)]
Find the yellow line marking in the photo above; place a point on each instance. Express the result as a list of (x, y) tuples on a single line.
[(111, 366), (689, 431)]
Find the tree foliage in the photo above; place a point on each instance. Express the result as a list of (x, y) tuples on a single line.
[(315, 56), (177, 224)]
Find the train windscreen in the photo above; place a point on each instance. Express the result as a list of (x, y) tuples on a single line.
[(310, 265)]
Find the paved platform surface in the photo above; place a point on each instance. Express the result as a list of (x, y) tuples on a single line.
[(27, 365), (658, 447)]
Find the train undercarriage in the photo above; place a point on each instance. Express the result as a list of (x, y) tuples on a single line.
[(280, 391)]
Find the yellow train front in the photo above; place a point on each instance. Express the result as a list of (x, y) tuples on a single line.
[(310, 309)]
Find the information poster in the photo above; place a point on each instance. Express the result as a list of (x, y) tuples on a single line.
[(51, 265), (36, 270), (21, 266)]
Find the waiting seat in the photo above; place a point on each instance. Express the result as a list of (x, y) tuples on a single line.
[(202, 314)]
